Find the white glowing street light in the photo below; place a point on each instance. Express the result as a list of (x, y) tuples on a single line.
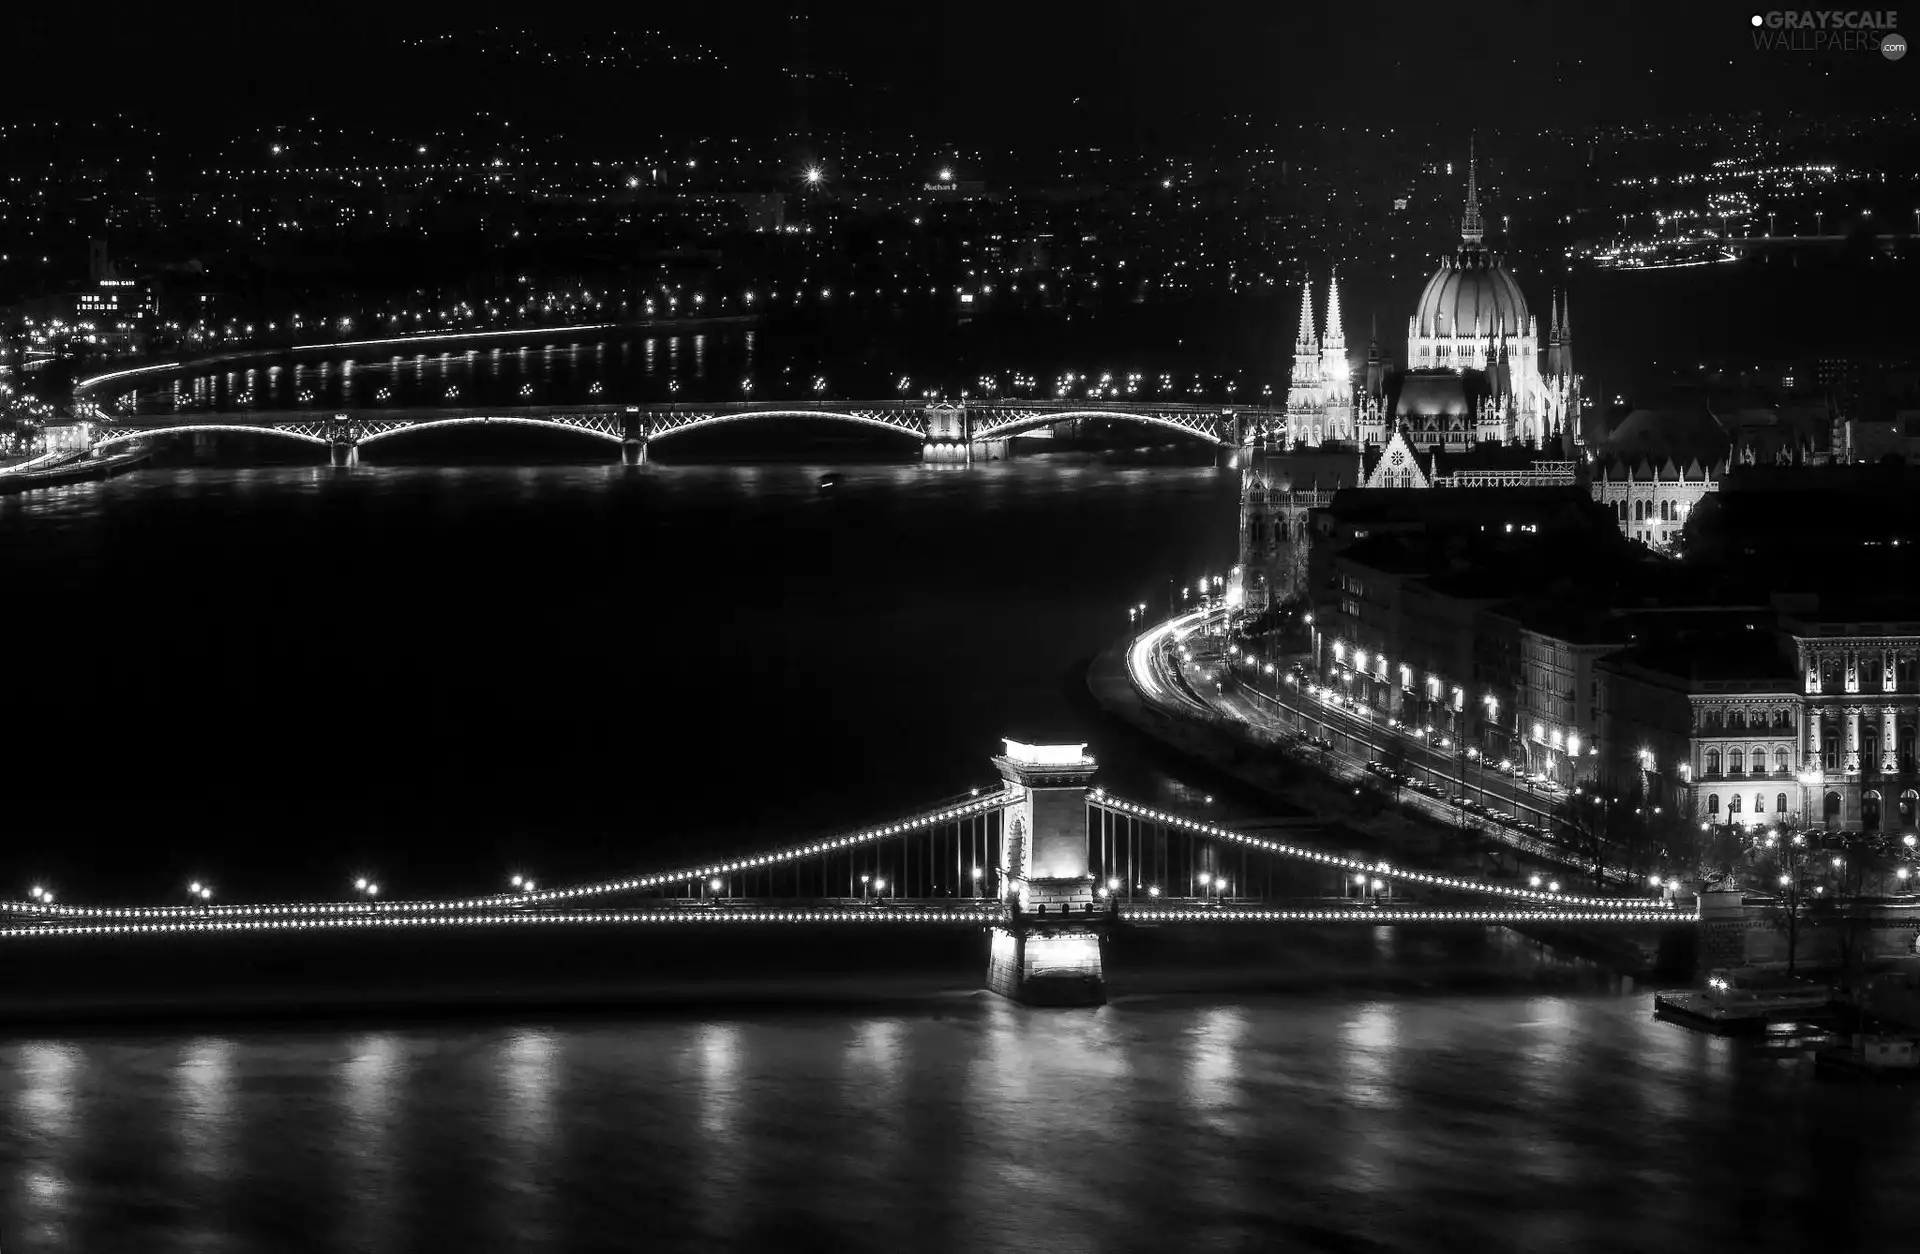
[(814, 175)]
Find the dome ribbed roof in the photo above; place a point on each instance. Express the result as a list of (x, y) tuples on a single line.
[(1472, 292)]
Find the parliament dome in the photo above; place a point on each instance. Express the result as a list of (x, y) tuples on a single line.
[(1472, 293)]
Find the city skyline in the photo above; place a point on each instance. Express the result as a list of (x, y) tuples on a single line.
[(871, 627), (1127, 71)]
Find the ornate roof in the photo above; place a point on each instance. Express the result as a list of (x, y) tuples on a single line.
[(1437, 393), (1472, 294), (1683, 433), (1323, 469), (1645, 469)]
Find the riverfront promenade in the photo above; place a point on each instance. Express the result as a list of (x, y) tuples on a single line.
[(1229, 731)]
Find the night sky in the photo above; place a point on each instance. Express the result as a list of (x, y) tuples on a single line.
[(1126, 69)]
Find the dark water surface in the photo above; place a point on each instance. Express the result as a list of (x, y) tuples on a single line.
[(278, 678), (1312, 1122)]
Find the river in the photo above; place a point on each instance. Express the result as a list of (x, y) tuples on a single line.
[(276, 678), (1331, 1121)]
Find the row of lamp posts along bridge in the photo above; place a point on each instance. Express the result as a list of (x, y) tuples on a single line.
[(1047, 864), (945, 432)]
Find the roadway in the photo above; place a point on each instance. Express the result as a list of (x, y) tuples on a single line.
[(1179, 667)]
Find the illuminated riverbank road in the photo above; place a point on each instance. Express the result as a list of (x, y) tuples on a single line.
[(1217, 687), (1147, 663), (945, 432)]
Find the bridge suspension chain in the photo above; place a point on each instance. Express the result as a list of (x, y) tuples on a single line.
[(1143, 848), (985, 807)]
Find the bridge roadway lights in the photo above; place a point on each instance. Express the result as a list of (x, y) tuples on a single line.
[(1049, 953)]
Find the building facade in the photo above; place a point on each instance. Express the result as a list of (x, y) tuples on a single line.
[(1652, 503), (1476, 369)]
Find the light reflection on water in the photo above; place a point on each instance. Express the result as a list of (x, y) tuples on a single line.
[(1492, 1122)]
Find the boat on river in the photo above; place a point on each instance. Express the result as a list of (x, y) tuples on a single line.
[(1746, 999), (1870, 1059)]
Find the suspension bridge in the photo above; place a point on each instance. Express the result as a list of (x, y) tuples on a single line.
[(1049, 865)]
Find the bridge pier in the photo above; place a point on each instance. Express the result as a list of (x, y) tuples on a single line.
[(1050, 952), (947, 428), (344, 455), (633, 437)]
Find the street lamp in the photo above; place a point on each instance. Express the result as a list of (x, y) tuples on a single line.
[(1810, 778)]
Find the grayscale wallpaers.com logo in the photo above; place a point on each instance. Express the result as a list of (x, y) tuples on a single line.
[(1830, 30)]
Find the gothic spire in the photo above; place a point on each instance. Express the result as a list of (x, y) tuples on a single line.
[(1373, 340), (1554, 333), (1472, 231), (1335, 333), (1306, 315)]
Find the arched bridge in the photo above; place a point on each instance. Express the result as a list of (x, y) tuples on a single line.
[(1047, 864), (945, 432)]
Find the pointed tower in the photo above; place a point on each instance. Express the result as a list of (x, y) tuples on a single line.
[(1553, 338), (1472, 229), (1566, 335), (1336, 372), (1306, 417), (1376, 364)]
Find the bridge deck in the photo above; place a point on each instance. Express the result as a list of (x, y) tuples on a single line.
[(854, 914)]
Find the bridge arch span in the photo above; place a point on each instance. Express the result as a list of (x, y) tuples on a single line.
[(481, 420), (699, 422), (1015, 425), (229, 428)]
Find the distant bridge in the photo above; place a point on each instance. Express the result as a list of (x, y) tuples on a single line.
[(1049, 866), (945, 432)]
